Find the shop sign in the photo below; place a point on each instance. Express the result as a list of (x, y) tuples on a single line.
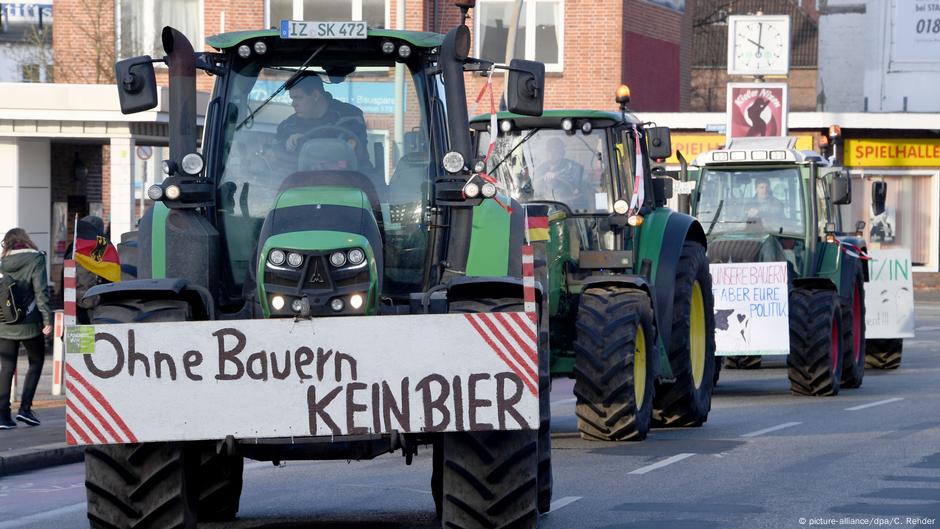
[(892, 152), (757, 109)]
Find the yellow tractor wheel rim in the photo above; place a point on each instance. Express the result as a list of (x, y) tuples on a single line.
[(639, 367), (697, 334)]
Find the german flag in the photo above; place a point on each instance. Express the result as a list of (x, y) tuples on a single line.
[(536, 227), (95, 253)]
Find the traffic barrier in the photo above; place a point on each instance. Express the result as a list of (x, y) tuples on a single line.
[(57, 371)]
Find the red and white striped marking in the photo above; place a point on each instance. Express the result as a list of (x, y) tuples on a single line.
[(89, 417), (57, 360), (68, 285), (512, 336)]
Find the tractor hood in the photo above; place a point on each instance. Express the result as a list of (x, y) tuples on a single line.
[(744, 248)]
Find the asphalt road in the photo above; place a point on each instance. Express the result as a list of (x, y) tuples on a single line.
[(765, 459)]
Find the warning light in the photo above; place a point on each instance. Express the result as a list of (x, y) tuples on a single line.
[(623, 94)]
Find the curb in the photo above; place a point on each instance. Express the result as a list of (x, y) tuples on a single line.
[(50, 455)]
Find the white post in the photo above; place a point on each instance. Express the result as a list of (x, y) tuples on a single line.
[(122, 187), (57, 366)]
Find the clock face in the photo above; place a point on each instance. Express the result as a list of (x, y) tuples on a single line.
[(758, 45)]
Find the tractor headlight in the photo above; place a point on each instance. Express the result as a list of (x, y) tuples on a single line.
[(388, 47), (277, 302), (567, 124), (488, 190), (453, 162), (404, 51), (621, 207), (261, 48), (471, 190), (337, 304), (337, 259), (192, 163), (294, 259), (356, 256), (244, 51), (355, 301), (277, 257), (297, 305), (172, 192), (155, 192)]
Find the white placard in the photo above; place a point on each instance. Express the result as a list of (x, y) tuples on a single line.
[(281, 378), (751, 308), (915, 36), (889, 295)]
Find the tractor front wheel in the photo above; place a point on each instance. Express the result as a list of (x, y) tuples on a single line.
[(613, 372), (815, 360), (743, 362), (687, 401), (883, 353), (494, 479)]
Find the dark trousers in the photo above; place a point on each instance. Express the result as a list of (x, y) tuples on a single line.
[(36, 352)]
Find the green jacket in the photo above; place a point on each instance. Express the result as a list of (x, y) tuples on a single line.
[(28, 269)]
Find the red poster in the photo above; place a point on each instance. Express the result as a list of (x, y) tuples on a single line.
[(757, 109)]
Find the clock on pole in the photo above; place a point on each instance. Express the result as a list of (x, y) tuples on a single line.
[(758, 45)]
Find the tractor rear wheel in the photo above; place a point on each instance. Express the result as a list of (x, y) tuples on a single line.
[(687, 401), (883, 353), (743, 362), (219, 483), (815, 360), (129, 255), (853, 331), (613, 372), (494, 479)]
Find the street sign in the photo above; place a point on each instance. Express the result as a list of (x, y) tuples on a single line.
[(144, 152)]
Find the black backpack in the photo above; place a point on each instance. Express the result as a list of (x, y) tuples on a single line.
[(10, 310)]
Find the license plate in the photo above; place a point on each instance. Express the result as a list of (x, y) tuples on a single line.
[(310, 29)]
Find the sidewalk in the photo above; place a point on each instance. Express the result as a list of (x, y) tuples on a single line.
[(27, 448)]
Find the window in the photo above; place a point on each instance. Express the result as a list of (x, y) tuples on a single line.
[(141, 22), (544, 42), (374, 12)]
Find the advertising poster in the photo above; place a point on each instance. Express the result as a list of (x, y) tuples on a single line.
[(751, 308), (889, 295), (915, 35), (757, 109)]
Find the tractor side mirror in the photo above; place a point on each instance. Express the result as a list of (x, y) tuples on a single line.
[(526, 90), (137, 84), (659, 142), (840, 189), (879, 194)]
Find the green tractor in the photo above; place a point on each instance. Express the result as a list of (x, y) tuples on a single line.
[(339, 226), (762, 200), (629, 289)]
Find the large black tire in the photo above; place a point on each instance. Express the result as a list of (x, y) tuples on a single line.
[(219, 484), (718, 362), (209, 485), (853, 331), (883, 353), (490, 480), (545, 477), (815, 360), (609, 321), (495, 479), (687, 400), (139, 486), (129, 255), (743, 362)]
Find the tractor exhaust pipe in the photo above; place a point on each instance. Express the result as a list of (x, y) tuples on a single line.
[(181, 59)]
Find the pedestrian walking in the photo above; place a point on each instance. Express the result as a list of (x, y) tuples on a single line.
[(21, 261)]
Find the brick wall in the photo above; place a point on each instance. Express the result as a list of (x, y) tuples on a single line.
[(709, 89), (653, 60), (83, 41)]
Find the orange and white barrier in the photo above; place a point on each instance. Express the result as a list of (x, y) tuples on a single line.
[(57, 359)]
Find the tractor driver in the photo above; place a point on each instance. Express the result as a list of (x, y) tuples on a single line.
[(561, 178), (765, 205), (318, 115)]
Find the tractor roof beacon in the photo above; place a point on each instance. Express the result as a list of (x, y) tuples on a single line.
[(763, 200), (628, 284), (360, 215)]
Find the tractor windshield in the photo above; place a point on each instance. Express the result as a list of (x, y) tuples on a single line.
[(553, 165), (767, 200), (288, 117)]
